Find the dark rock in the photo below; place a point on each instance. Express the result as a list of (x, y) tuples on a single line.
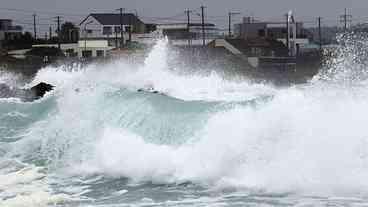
[(151, 90), (26, 95), (40, 89)]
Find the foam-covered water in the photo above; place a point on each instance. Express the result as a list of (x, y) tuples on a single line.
[(206, 140)]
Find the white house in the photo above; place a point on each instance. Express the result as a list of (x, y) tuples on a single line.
[(101, 32), (251, 29), (181, 33)]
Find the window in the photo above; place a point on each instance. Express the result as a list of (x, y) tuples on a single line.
[(107, 30), (117, 29), (99, 53), (71, 53), (86, 53), (127, 28)]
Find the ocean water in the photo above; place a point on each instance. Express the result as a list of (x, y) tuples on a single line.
[(207, 140)]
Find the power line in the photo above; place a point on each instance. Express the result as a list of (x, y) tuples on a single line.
[(27, 23), (40, 12), (174, 17)]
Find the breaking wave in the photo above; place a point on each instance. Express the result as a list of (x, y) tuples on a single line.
[(204, 129)]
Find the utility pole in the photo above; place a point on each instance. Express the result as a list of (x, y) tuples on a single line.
[(58, 31), (130, 27), (320, 33), (34, 27), (121, 28), (116, 38), (50, 33), (203, 32), (345, 19), (136, 21), (287, 32), (230, 15), (188, 25)]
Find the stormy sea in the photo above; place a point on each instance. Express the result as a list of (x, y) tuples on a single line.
[(203, 138)]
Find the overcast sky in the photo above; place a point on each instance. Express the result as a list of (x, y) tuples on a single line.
[(216, 11)]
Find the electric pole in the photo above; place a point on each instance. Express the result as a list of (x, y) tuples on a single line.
[(287, 32), (34, 27), (188, 25), (116, 39), (50, 33), (121, 28), (230, 15), (203, 32), (58, 31), (345, 19), (136, 21), (130, 28), (320, 33)]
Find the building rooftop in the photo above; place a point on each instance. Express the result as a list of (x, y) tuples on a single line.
[(114, 18), (191, 24), (7, 24)]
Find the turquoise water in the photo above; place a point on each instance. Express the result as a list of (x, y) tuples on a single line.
[(207, 140)]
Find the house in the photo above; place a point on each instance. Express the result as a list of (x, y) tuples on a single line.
[(101, 32), (8, 31), (260, 47), (258, 52), (69, 49), (181, 33), (251, 29)]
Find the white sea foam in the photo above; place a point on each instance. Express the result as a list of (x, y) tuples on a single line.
[(155, 73), (27, 187), (308, 139), (296, 143), (10, 78)]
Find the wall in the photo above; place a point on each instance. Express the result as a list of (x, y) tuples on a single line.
[(93, 46), (95, 27), (249, 30), (92, 43)]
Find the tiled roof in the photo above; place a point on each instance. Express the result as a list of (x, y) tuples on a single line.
[(114, 18)]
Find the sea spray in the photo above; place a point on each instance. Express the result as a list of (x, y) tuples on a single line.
[(202, 137)]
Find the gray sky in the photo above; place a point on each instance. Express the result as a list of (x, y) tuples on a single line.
[(216, 11)]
